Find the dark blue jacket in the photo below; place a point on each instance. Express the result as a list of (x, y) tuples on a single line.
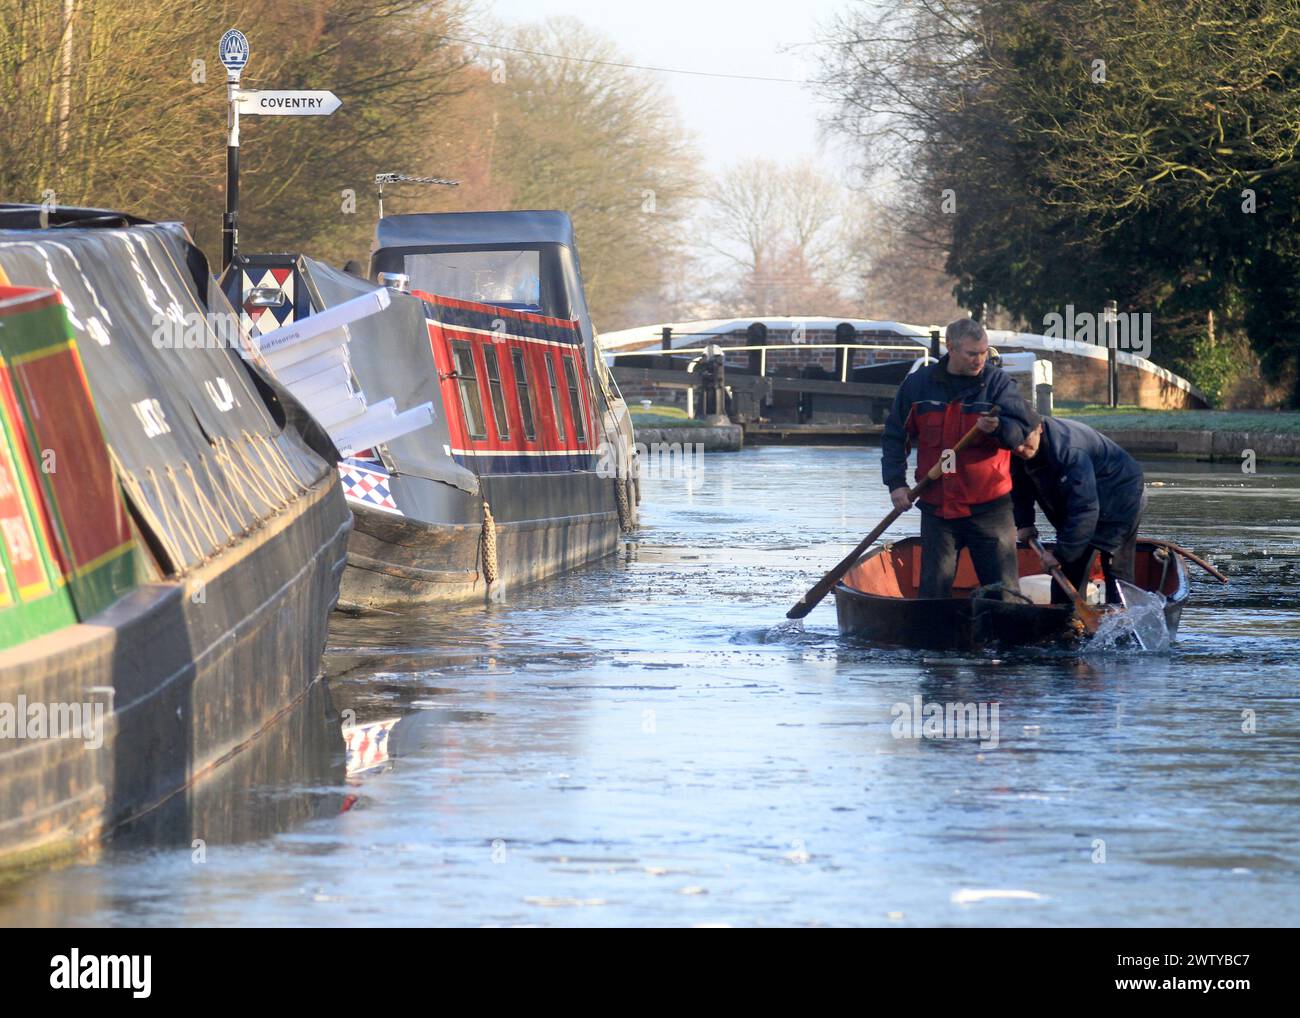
[(932, 410), (1088, 487)]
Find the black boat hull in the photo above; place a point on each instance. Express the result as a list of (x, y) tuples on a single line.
[(395, 562), (190, 674)]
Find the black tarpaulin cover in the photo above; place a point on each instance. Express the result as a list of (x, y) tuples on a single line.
[(200, 457)]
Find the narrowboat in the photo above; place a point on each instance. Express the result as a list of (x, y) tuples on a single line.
[(483, 443), (172, 538), (877, 601)]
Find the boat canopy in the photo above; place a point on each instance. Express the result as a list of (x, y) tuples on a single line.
[(461, 229), (526, 261)]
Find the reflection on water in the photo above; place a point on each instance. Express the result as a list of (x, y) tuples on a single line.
[(650, 742), (291, 773)]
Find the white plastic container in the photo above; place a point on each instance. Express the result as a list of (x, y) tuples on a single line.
[(1038, 588)]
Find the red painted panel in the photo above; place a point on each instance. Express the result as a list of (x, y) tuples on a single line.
[(65, 425), (15, 527), (536, 356)]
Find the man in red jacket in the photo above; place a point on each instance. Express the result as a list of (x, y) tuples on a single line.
[(969, 507)]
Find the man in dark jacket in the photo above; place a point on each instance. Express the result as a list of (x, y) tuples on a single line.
[(969, 506), (1091, 491)]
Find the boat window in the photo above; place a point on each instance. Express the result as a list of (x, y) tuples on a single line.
[(525, 393), (575, 401), (555, 397), (498, 395), (509, 279), (467, 381)]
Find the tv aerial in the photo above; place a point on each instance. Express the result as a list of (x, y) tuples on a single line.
[(401, 178)]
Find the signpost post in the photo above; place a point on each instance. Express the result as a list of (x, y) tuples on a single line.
[(284, 103), (234, 55)]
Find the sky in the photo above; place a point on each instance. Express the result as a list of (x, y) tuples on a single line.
[(730, 119)]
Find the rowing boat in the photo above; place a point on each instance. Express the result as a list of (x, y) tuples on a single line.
[(877, 601)]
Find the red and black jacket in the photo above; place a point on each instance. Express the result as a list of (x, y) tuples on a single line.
[(932, 410)]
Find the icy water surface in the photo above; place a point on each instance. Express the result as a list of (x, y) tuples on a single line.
[(648, 742)]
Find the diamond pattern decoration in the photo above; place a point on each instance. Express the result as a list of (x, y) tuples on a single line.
[(259, 321), (367, 487)]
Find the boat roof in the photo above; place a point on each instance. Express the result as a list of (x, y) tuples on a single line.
[(23, 216), (471, 228)]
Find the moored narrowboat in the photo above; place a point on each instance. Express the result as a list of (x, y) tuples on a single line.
[(523, 468), (172, 546)]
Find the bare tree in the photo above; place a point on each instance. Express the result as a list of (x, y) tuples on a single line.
[(785, 232), (565, 129)]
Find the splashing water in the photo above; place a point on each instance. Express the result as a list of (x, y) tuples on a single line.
[(1141, 625), (789, 631)]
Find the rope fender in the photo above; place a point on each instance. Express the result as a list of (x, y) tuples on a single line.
[(489, 545), (624, 506)]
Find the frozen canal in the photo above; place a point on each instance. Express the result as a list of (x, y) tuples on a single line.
[(637, 744)]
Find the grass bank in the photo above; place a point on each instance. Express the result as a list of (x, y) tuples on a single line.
[(662, 417), (1133, 418)]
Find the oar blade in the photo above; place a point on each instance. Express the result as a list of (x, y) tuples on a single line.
[(1089, 616), (801, 609)]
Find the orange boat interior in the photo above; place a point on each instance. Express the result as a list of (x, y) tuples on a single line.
[(896, 571)]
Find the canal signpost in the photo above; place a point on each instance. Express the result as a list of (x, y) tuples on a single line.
[(234, 53)]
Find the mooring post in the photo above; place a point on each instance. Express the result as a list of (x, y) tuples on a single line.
[(1112, 356), (720, 386), (845, 334), (757, 333)]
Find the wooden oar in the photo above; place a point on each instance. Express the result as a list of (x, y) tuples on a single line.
[(1090, 616), (811, 599), (1190, 557)]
